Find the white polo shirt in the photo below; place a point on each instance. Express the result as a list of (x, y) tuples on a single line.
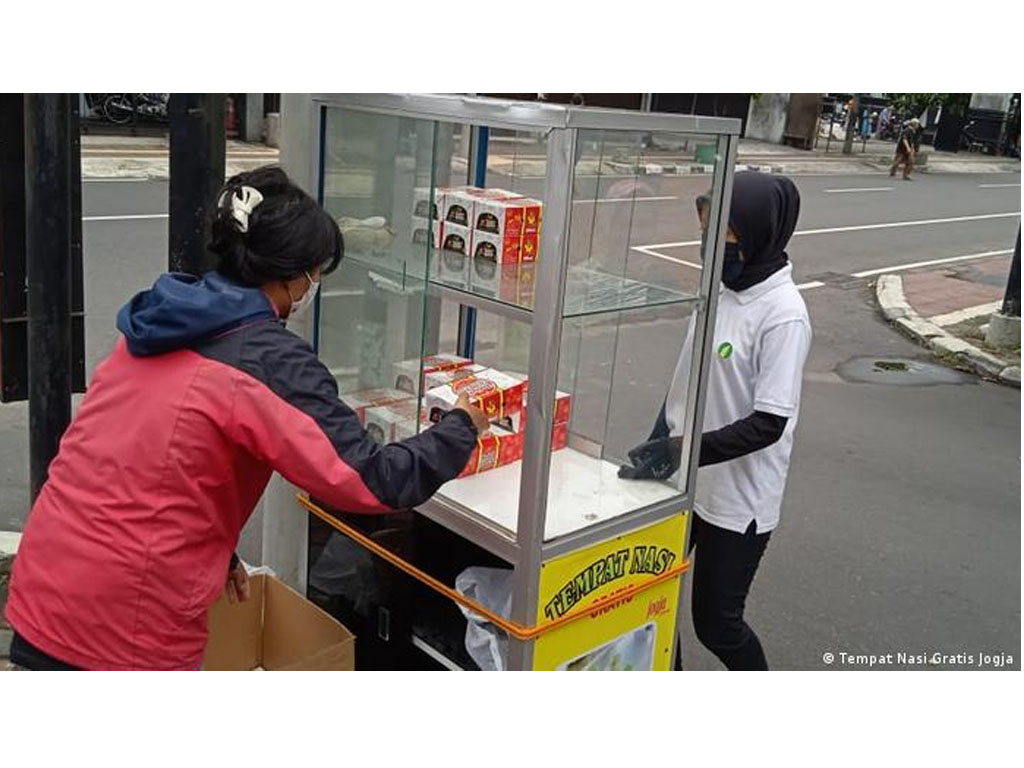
[(762, 339)]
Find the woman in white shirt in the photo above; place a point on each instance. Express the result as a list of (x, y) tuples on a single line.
[(762, 338)]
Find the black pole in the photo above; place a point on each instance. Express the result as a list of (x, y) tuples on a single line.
[(1011, 300), (197, 173), (48, 205)]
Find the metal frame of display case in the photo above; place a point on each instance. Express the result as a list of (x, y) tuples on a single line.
[(526, 550)]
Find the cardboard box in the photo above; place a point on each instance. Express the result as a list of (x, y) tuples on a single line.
[(423, 207), (276, 629), (563, 404), (533, 216), (407, 372), (459, 208), (456, 239), (494, 448), (495, 393), (529, 248), (371, 398), (384, 423), (503, 218), (496, 249), (425, 230)]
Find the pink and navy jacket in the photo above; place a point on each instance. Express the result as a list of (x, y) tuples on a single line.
[(128, 543)]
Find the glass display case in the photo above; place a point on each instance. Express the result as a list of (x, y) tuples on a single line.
[(548, 261)]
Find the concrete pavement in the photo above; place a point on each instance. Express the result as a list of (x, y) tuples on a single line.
[(139, 157), (946, 309)]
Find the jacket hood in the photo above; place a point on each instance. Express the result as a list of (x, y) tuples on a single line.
[(180, 310)]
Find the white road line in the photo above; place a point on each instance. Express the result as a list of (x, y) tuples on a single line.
[(960, 316), (625, 199), (932, 263), (858, 228), (916, 223), (649, 251), (131, 217), (124, 180), (812, 284), (997, 186), (859, 189)]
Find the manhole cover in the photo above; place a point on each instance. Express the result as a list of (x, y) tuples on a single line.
[(900, 372)]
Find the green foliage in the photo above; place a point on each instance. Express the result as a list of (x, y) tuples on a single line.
[(916, 103)]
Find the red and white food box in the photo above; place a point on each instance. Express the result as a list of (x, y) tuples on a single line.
[(496, 249), (459, 207), (533, 215), (440, 378), (497, 394), (407, 372), (422, 205), (389, 423), (456, 239), (529, 247), (492, 193), (563, 406), (495, 448), (370, 398), (501, 217), (425, 230), (451, 267)]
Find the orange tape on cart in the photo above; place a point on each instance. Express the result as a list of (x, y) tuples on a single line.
[(513, 628)]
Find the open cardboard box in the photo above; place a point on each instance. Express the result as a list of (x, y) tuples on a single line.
[(276, 629)]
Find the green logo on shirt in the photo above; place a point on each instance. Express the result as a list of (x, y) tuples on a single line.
[(725, 350)]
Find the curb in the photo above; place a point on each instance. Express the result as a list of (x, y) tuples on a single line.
[(894, 306)]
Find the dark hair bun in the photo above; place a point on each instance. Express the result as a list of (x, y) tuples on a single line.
[(286, 233)]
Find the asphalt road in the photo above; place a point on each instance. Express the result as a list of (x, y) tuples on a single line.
[(901, 527)]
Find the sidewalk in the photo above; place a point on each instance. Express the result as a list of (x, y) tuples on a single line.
[(947, 309), (142, 157), (146, 157)]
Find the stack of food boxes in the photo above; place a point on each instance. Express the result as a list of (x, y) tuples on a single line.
[(484, 238), (392, 415)]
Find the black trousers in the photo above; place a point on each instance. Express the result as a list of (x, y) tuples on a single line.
[(723, 572), (26, 655)]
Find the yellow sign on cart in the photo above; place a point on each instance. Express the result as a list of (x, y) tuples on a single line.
[(634, 632)]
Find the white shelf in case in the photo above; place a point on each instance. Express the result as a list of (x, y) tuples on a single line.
[(583, 491)]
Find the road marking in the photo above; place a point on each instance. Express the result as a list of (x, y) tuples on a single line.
[(960, 316), (649, 251), (130, 217), (812, 284), (856, 228), (997, 186), (124, 180), (932, 263), (914, 223), (626, 199), (859, 189)]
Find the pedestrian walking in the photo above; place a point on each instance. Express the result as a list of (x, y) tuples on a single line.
[(132, 537), (907, 145), (761, 341)]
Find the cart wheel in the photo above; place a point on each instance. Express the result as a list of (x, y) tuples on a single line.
[(117, 109)]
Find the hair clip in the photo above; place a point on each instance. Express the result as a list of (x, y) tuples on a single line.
[(243, 203)]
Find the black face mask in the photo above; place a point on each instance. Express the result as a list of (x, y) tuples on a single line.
[(732, 266)]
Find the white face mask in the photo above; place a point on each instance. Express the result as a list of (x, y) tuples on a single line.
[(301, 305)]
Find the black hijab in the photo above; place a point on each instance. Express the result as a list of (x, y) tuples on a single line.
[(763, 215)]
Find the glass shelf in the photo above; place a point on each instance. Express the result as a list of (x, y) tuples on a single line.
[(508, 290)]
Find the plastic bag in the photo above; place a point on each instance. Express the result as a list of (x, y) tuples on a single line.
[(486, 644)]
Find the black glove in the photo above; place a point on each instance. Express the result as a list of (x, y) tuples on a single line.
[(656, 459)]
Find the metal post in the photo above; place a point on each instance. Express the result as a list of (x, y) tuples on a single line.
[(1011, 299), (197, 173), (48, 206), (545, 341)]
